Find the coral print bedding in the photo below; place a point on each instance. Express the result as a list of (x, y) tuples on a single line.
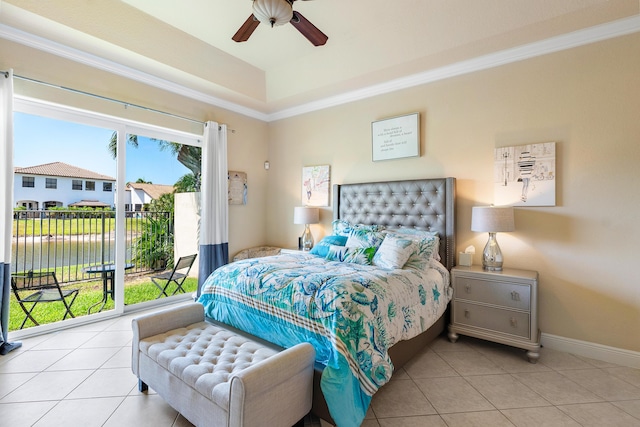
[(351, 310)]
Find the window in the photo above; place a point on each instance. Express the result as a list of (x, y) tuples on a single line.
[(28, 181), (51, 183), (87, 134)]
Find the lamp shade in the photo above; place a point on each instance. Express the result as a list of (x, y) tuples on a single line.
[(492, 219), (272, 12), (306, 215)]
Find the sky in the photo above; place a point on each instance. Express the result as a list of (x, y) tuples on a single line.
[(39, 140)]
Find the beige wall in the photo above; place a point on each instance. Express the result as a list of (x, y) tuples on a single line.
[(586, 99)]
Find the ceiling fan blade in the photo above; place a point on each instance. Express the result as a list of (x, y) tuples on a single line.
[(310, 31), (245, 31)]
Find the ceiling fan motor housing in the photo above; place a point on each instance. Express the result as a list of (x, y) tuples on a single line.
[(273, 12)]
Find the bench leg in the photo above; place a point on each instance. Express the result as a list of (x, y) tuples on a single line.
[(142, 386)]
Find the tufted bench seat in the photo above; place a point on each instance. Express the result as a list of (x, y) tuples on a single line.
[(256, 252), (216, 377)]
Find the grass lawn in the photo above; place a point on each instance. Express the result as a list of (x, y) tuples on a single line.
[(70, 226), (90, 293)]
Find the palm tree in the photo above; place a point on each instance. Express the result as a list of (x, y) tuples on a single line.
[(187, 183), (188, 155), (113, 143)]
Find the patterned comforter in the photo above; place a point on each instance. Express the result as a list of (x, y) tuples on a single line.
[(351, 313)]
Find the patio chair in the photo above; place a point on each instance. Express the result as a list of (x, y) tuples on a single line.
[(177, 276), (33, 288)]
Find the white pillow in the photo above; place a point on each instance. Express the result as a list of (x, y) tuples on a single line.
[(394, 252)]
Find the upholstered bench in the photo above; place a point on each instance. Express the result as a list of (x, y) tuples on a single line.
[(215, 376), (257, 252)]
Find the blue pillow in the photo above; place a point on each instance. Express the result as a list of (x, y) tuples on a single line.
[(322, 248)]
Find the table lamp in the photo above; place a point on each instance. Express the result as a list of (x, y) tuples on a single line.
[(492, 219), (306, 215)]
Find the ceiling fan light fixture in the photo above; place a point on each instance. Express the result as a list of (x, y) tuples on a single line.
[(272, 12)]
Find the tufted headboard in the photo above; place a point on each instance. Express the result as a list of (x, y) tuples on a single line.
[(425, 204)]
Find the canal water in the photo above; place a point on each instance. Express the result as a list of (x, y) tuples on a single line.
[(31, 254)]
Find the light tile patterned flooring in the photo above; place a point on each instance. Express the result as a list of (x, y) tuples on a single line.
[(82, 377)]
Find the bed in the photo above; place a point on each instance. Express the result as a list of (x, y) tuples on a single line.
[(364, 320)]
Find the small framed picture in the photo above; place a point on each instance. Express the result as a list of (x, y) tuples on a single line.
[(315, 185), (396, 137), (525, 175)]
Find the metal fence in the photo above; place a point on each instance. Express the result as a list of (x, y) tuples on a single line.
[(67, 241)]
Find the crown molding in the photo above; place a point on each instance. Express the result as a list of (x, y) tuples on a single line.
[(566, 41), (57, 49)]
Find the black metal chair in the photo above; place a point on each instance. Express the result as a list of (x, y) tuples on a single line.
[(40, 287), (177, 276)]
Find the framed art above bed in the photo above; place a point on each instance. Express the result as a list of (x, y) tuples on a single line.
[(396, 137)]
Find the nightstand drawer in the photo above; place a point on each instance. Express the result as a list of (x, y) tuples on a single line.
[(497, 293), (492, 318)]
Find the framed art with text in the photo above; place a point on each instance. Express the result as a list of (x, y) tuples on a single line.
[(396, 137)]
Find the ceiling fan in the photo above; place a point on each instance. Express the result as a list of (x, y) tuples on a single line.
[(279, 12)]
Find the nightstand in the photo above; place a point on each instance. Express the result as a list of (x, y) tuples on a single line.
[(499, 306)]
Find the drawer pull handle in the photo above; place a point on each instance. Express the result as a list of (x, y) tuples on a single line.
[(515, 296), (467, 288), (467, 313), (514, 322)]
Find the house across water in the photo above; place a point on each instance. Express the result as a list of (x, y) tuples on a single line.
[(59, 184)]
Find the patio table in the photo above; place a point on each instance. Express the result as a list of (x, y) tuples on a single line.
[(108, 276)]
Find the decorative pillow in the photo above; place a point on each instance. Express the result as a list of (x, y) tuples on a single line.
[(413, 232), (344, 228), (362, 256), (427, 249), (322, 247), (417, 235), (360, 238), (394, 252)]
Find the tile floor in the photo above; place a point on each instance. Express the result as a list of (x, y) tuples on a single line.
[(82, 377)]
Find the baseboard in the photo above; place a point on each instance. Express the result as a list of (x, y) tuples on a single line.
[(592, 350)]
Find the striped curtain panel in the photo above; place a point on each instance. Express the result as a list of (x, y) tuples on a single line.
[(6, 211), (214, 205)]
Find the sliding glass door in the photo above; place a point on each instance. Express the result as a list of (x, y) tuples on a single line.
[(94, 206), (64, 221), (156, 170)]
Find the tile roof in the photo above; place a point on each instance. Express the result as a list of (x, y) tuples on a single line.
[(153, 190), (62, 170)]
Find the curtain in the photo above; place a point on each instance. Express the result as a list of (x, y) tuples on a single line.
[(6, 211), (214, 205)]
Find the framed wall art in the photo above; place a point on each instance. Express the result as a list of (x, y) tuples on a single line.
[(396, 137), (237, 188), (525, 175), (315, 185)]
